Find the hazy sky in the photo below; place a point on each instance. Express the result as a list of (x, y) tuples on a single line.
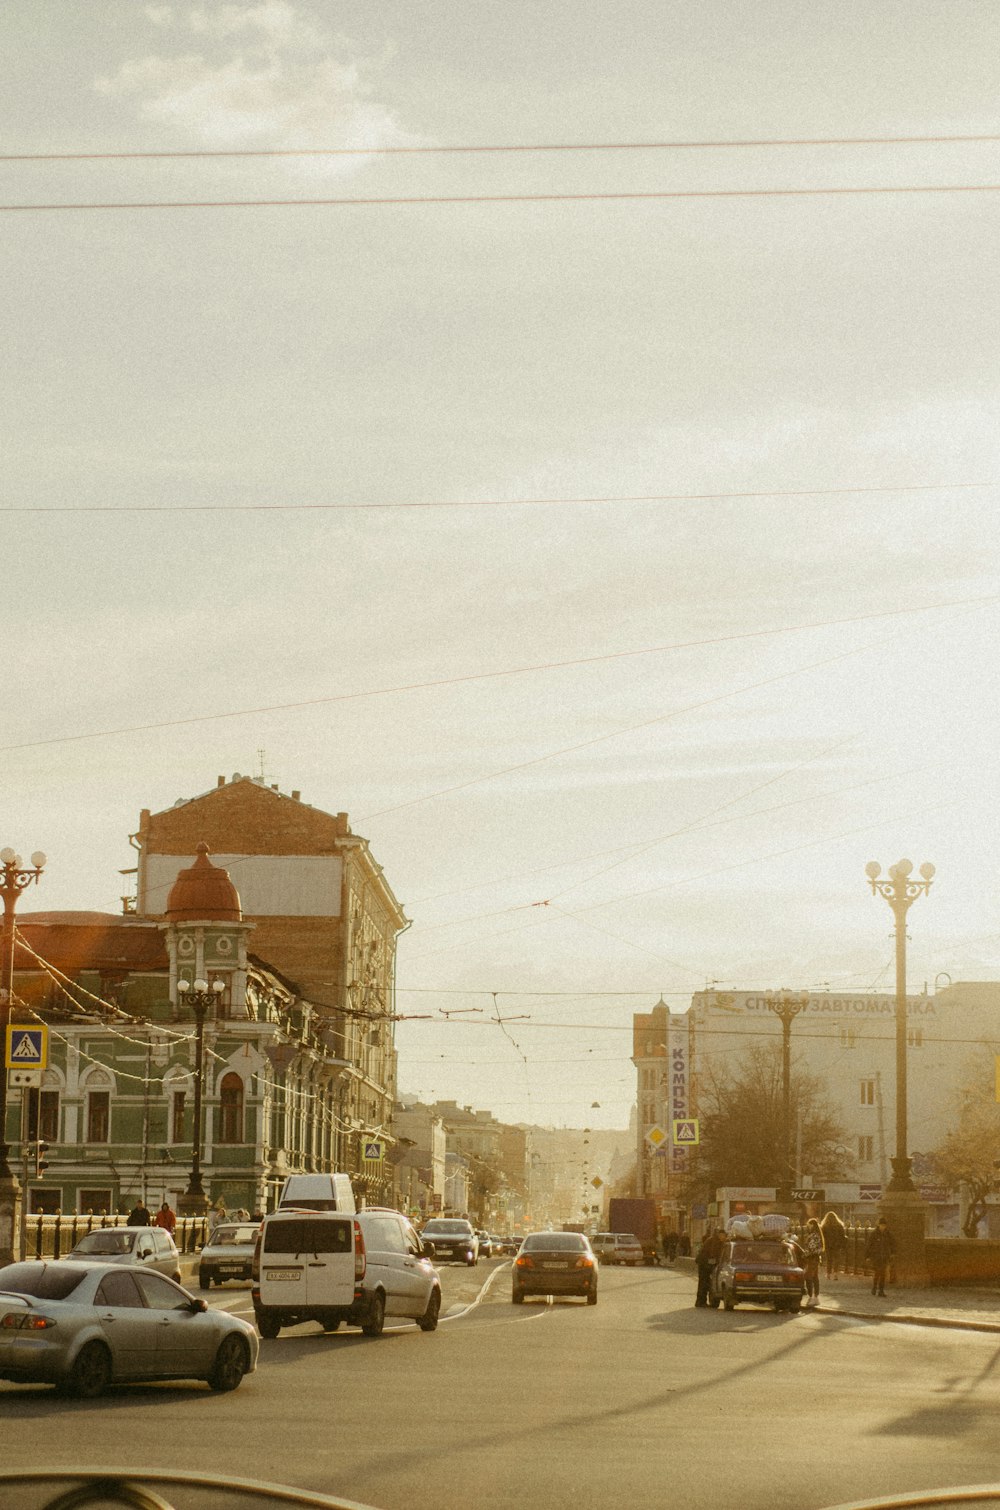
[(604, 750)]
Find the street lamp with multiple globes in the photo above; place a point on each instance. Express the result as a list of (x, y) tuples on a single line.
[(786, 1006), (901, 1204), (900, 890), (15, 876), (194, 1201)]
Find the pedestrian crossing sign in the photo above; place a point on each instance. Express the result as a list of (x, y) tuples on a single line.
[(373, 1151), (686, 1131), (27, 1047)]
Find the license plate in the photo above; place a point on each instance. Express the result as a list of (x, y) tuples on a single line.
[(230, 1269), (282, 1273), (553, 1266)]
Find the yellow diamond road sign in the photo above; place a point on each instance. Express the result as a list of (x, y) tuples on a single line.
[(597, 1182), (656, 1135)]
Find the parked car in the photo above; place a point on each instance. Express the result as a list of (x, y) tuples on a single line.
[(452, 1237), (152, 1247), (554, 1263), (603, 1244), (84, 1325), (618, 1248), (228, 1254), (761, 1271), (332, 1268)]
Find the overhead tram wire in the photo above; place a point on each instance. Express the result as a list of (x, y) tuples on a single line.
[(588, 196), (496, 148), (492, 503), (479, 676)]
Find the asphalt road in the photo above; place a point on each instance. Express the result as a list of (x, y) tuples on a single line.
[(640, 1402)]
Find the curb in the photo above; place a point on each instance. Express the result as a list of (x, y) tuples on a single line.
[(936, 1321)]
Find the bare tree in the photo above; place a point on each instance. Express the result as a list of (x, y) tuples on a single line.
[(970, 1152), (740, 1107)]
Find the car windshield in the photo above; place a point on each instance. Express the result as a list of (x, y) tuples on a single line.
[(760, 1253), (447, 1229), (43, 1281), (556, 1242), (227, 1237), (111, 1240)]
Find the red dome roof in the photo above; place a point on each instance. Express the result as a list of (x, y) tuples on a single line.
[(204, 893)]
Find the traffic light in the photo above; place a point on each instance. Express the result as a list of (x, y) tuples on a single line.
[(41, 1148)]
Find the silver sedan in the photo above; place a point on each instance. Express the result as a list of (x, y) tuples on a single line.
[(83, 1326)]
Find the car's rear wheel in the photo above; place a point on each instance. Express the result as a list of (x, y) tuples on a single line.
[(231, 1363), (429, 1320), (376, 1316), (204, 1280), (332, 1325), (91, 1372), (729, 1301), (592, 1297), (517, 1297), (267, 1325)]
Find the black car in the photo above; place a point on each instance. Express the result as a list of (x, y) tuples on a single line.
[(452, 1237), (762, 1271), (554, 1263)]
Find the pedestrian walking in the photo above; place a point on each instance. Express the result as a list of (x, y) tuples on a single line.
[(670, 1241), (879, 1251), (811, 1247), (706, 1259), (834, 1243), (166, 1218), (139, 1215)]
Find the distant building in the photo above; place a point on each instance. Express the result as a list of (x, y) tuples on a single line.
[(848, 1041)]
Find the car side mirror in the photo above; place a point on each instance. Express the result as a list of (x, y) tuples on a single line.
[(197, 1304)]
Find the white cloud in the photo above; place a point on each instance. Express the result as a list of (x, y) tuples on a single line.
[(266, 77)]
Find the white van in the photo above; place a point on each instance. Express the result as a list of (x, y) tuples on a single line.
[(318, 1192), (327, 1267)]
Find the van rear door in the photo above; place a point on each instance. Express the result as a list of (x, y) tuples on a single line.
[(307, 1261)]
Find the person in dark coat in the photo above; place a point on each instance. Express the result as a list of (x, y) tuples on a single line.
[(834, 1243), (879, 1250), (139, 1215), (706, 1259)]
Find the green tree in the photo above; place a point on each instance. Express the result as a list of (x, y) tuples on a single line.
[(970, 1153), (741, 1111)]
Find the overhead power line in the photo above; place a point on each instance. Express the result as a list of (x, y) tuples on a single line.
[(491, 147), (481, 676), (593, 196), (490, 503)]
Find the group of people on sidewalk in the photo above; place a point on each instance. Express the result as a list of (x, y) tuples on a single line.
[(139, 1216), (819, 1240)]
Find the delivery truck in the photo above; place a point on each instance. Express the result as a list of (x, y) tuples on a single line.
[(638, 1217)]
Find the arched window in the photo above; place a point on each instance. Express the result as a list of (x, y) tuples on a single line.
[(231, 1109)]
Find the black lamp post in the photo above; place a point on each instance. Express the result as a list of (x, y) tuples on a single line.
[(15, 876), (786, 1006), (194, 1201)]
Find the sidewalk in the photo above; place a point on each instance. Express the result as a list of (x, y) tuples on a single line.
[(966, 1307)]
